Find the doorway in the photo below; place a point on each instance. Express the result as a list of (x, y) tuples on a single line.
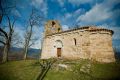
[(58, 52)]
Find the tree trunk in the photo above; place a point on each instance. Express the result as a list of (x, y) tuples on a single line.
[(25, 52), (27, 41), (5, 53), (26, 48), (6, 50)]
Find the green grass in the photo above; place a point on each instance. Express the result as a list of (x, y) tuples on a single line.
[(58, 75), (29, 70), (108, 71), (98, 71), (19, 70)]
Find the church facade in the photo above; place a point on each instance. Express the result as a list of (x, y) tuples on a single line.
[(87, 42)]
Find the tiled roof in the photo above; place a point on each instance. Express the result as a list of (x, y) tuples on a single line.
[(87, 28)]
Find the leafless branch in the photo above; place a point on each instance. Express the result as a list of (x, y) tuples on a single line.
[(5, 34), (2, 42)]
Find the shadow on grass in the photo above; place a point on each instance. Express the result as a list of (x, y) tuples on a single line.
[(45, 65), (86, 76)]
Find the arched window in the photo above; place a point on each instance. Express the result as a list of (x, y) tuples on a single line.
[(58, 44), (58, 29), (53, 23), (75, 41)]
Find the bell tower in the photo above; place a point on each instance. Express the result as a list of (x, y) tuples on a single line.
[(52, 26)]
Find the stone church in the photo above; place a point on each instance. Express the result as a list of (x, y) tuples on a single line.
[(88, 42)]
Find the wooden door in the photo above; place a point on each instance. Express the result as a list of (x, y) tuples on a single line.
[(58, 52)]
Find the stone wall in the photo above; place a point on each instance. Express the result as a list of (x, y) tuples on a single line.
[(87, 43), (101, 47)]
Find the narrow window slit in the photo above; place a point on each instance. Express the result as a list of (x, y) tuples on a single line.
[(75, 41)]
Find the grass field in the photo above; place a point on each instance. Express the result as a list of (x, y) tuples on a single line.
[(98, 71), (19, 70), (29, 70)]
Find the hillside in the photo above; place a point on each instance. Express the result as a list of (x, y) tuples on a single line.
[(61, 70), (19, 70), (17, 53)]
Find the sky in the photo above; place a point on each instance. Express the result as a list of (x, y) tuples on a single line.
[(102, 13)]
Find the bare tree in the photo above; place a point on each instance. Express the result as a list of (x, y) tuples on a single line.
[(5, 7), (6, 37), (16, 39), (34, 20)]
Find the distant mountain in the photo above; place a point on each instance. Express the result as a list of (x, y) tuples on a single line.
[(16, 49), (17, 53), (32, 53), (30, 50)]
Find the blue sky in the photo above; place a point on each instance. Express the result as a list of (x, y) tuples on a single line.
[(103, 13)]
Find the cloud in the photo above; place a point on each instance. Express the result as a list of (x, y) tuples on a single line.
[(99, 12), (79, 12), (74, 14), (116, 34), (19, 29), (69, 18), (96, 14), (38, 35), (37, 45), (41, 5), (37, 3), (65, 27), (61, 2), (78, 2), (116, 29), (16, 13), (68, 15)]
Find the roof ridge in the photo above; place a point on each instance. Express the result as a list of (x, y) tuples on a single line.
[(89, 28)]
